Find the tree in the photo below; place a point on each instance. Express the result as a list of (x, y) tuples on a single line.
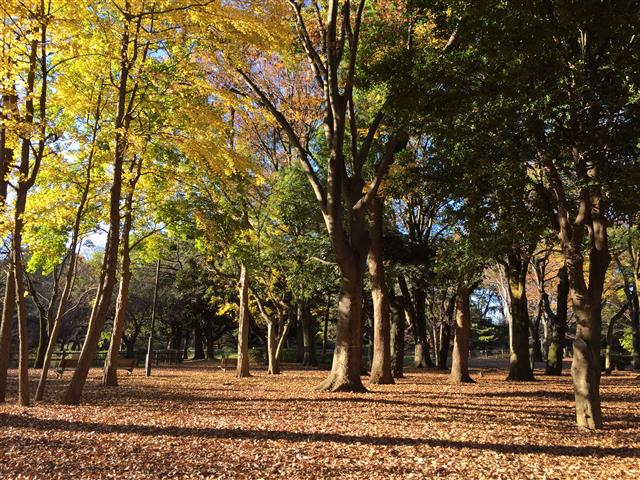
[(381, 363), (332, 57)]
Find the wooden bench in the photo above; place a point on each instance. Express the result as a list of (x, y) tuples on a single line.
[(127, 364)]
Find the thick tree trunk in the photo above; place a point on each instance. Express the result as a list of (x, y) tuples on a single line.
[(462, 327), (445, 334), (347, 356), (587, 301), (381, 361), (396, 311), (198, 349), (8, 310), (557, 325), (585, 368), (520, 366), (242, 369), (309, 337)]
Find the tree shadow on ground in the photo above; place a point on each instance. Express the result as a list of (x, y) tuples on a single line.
[(16, 421)]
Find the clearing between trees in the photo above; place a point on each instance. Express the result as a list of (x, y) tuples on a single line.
[(199, 422)]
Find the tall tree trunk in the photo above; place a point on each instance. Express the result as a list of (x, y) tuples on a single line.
[(26, 179), (243, 325), (274, 366), (107, 280), (57, 322), (325, 329), (285, 325), (557, 325), (586, 295), (73, 255), (396, 311), (8, 310), (309, 336), (587, 301), (347, 356), (110, 373), (381, 362), (299, 334), (462, 326), (435, 338), (516, 270), (345, 197), (198, 349), (608, 364), (419, 296), (536, 346), (23, 335), (445, 333), (410, 312)]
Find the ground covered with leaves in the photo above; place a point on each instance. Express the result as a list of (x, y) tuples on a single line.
[(199, 422)]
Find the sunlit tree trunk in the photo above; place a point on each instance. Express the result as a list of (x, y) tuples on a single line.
[(242, 369), (8, 310), (516, 271), (462, 326), (381, 362), (23, 336), (347, 356)]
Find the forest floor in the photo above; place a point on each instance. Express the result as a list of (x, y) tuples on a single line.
[(199, 422)]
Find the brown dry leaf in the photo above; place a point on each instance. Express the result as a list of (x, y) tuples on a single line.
[(196, 422)]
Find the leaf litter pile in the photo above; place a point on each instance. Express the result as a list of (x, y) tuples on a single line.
[(198, 422)]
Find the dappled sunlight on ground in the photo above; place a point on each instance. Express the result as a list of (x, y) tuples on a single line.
[(200, 422)]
